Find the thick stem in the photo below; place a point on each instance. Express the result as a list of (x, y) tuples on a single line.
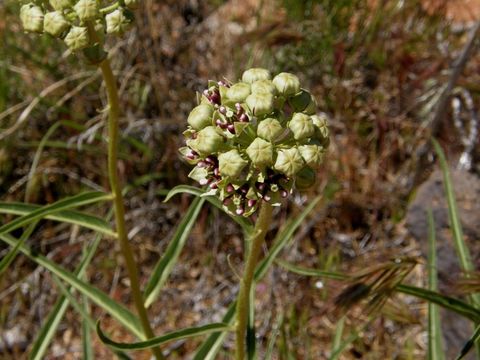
[(114, 112), (243, 302)]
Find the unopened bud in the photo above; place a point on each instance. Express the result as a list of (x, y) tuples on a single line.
[(289, 161), (32, 17), (303, 102), (87, 9), (287, 84), (260, 103), (200, 116), (260, 152), (54, 23), (302, 126), (238, 92), (61, 5), (264, 86), (312, 154), (208, 141), (321, 128), (117, 22), (231, 163), (269, 129), (77, 38), (255, 74)]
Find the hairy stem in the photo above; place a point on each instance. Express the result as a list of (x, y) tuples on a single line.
[(243, 302), (113, 134)]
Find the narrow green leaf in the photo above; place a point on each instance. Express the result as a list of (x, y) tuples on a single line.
[(283, 237), (122, 314), (174, 335), (165, 265), (86, 333), (435, 351), (67, 216), (180, 189), (469, 344), (11, 255), (347, 341), (64, 204), (209, 349), (337, 340), (49, 327), (273, 337), (462, 250), (444, 301), (251, 331)]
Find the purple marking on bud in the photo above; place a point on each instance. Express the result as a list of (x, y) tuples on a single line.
[(206, 93), (230, 188), (227, 201), (204, 181), (214, 185), (267, 197), (221, 83), (190, 156), (202, 164), (222, 109), (252, 202), (261, 186), (243, 118), (216, 171), (231, 128), (238, 106), (240, 211), (283, 193), (215, 98), (210, 160)]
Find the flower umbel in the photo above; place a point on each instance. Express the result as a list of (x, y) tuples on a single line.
[(255, 140)]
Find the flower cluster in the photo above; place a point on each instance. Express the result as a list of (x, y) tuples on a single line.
[(255, 140), (70, 19)]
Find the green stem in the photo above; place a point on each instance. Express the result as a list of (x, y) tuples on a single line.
[(118, 203), (243, 302)]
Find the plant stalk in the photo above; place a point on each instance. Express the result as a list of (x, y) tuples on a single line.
[(243, 302), (118, 202)]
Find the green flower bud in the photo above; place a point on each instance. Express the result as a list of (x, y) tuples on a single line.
[(321, 128), (208, 141), (305, 178), (117, 22), (287, 84), (61, 5), (54, 23), (32, 18), (302, 126), (312, 154), (231, 163), (269, 129), (132, 4), (260, 152), (238, 92), (260, 103), (87, 9), (200, 116), (264, 86), (77, 38), (289, 161), (255, 74)]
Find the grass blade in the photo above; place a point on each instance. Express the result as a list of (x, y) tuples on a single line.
[(469, 344), (209, 349), (337, 340), (180, 189), (444, 301), (435, 351), (122, 314), (168, 260), (67, 216), (462, 250), (64, 204), (11, 255), (174, 335), (273, 337)]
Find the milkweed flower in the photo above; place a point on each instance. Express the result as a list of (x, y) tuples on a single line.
[(255, 140)]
